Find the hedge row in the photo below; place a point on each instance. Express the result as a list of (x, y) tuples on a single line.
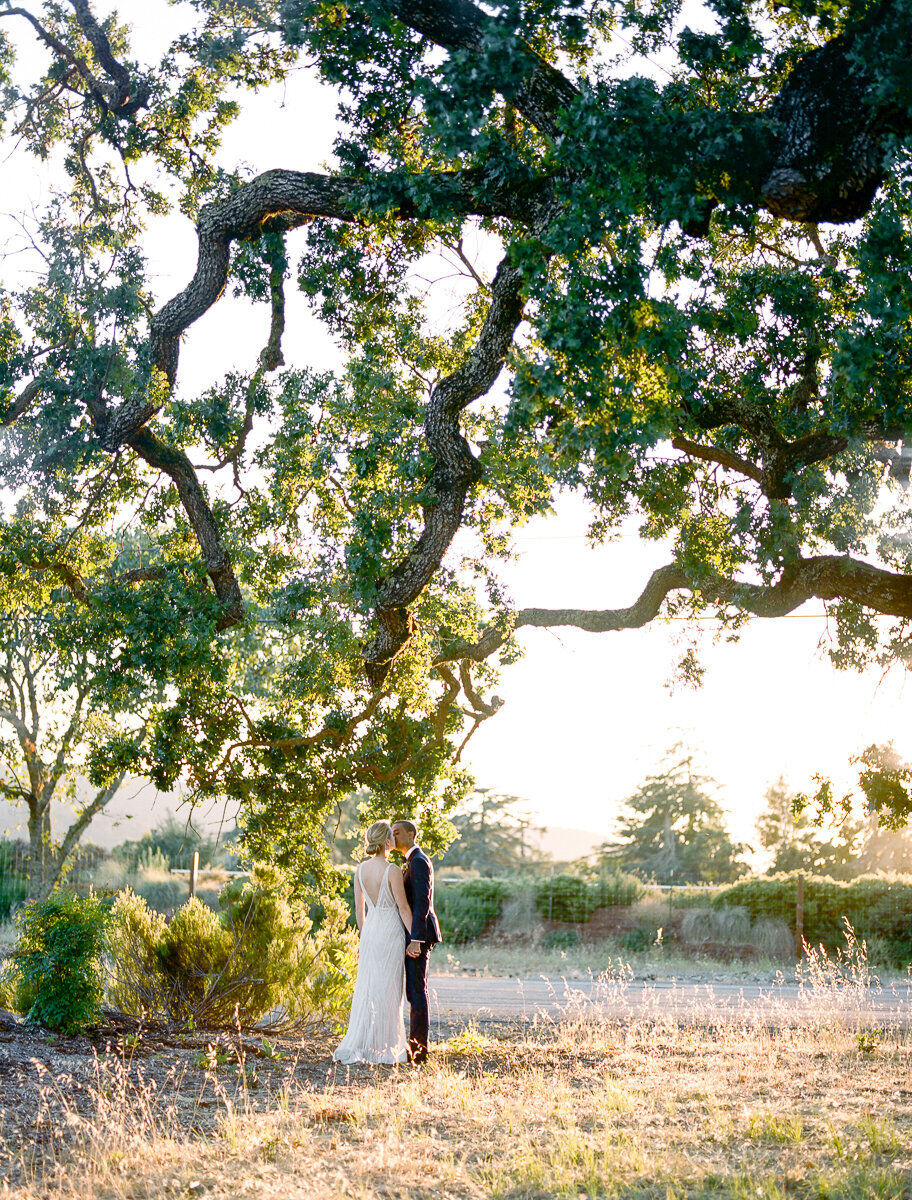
[(878, 908), (468, 908)]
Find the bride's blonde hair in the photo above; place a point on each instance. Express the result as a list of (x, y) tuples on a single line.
[(377, 836)]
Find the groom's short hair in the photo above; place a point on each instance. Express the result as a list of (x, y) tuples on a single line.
[(406, 824)]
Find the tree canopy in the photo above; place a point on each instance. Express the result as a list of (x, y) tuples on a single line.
[(694, 278)]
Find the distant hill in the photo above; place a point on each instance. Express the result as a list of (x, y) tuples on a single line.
[(566, 845)]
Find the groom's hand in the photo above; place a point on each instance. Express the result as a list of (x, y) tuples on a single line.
[(413, 949)]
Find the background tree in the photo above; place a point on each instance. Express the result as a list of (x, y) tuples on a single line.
[(881, 840), (52, 712), (699, 286), (493, 837), (674, 829), (785, 830)]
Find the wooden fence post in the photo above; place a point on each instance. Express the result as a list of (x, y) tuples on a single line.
[(194, 869), (799, 916)]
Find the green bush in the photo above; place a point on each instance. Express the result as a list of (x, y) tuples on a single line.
[(878, 908), (618, 889), (259, 958), (561, 939), (14, 995), (164, 895), (57, 959), (135, 980), (636, 940), (566, 897), (465, 910)]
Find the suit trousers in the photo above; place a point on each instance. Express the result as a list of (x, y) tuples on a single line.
[(416, 993)]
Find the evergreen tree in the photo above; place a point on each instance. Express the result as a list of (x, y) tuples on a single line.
[(674, 830), (492, 837)]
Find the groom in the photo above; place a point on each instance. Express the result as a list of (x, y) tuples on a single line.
[(418, 877)]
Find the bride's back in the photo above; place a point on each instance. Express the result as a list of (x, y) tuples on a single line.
[(372, 870)]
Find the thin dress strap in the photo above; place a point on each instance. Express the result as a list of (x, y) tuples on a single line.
[(364, 892)]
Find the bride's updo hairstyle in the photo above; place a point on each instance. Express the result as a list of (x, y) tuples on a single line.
[(377, 837)]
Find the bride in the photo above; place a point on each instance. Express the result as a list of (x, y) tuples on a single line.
[(376, 1030)]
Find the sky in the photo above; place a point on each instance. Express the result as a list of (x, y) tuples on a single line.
[(586, 717)]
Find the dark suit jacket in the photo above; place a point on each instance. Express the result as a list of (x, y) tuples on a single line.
[(418, 877)]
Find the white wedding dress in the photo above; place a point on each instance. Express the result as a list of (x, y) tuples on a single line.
[(376, 1029)]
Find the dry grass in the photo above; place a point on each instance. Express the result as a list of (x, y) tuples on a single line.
[(517, 959), (529, 961), (582, 1107)]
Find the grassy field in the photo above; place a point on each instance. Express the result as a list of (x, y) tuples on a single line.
[(573, 1108)]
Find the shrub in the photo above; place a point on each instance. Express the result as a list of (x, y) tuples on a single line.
[(258, 959), (561, 939), (135, 980), (566, 897), (57, 958), (164, 895), (465, 910), (14, 996), (618, 889), (636, 940)]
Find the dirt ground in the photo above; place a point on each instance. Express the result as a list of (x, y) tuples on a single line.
[(46, 1079), (610, 1109)]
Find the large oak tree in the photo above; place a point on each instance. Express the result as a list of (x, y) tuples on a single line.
[(698, 293)]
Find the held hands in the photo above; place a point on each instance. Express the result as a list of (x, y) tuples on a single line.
[(413, 949)]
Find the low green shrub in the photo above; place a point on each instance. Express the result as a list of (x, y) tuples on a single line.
[(636, 940), (566, 897), (561, 939), (14, 996), (164, 895), (57, 960), (258, 959), (135, 980), (465, 910)]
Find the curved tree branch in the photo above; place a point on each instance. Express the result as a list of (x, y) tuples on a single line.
[(826, 577), (124, 98), (455, 470), (286, 200), (835, 116), (715, 454), (179, 469)]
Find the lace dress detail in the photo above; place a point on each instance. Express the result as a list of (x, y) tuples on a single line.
[(376, 1030)]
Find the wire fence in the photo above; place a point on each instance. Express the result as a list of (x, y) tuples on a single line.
[(771, 918), (162, 886)]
